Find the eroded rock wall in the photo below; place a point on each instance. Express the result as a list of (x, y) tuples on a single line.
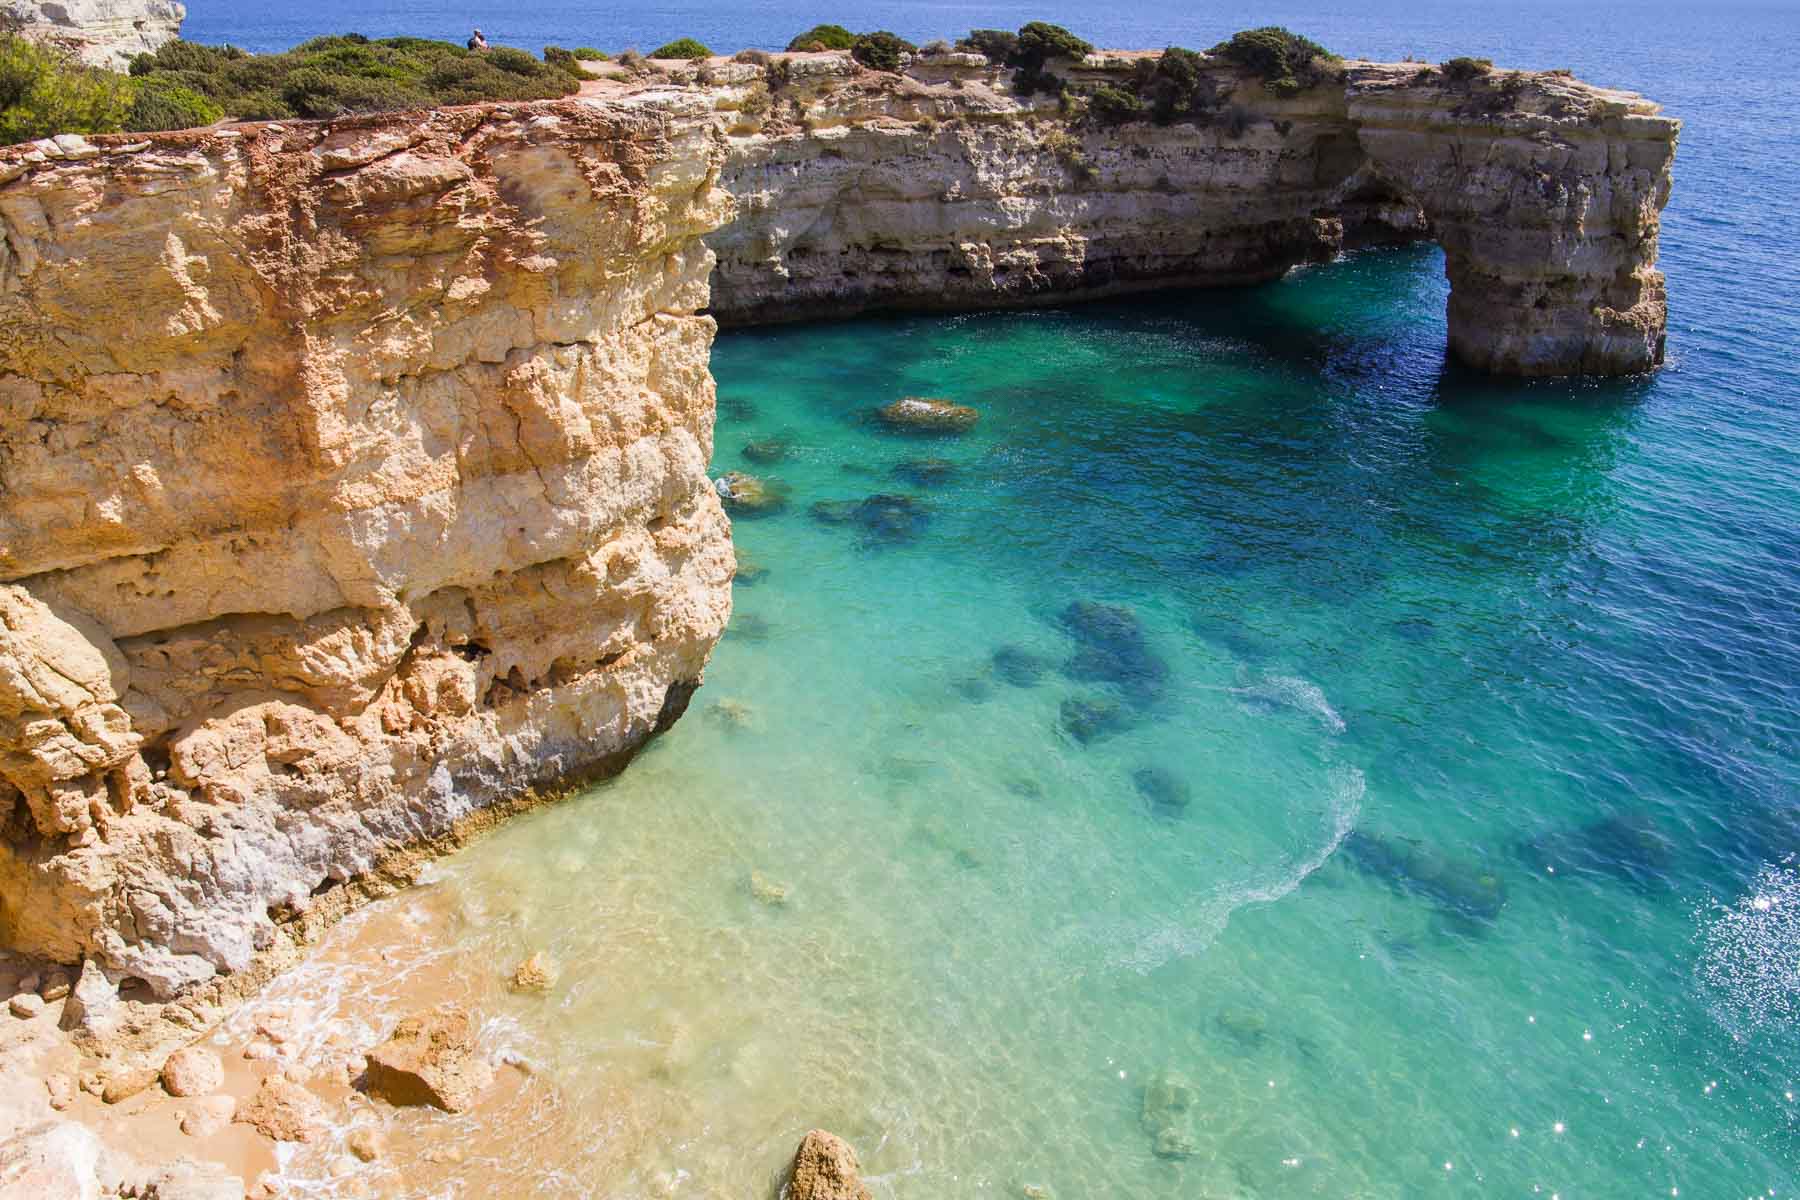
[(352, 477), (945, 188), (104, 33)]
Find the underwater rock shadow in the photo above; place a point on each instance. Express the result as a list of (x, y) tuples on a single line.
[(1628, 849), (883, 519), (1112, 649), (1459, 888)]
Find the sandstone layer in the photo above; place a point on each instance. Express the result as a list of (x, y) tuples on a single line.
[(104, 33), (352, 479), (945, 188)]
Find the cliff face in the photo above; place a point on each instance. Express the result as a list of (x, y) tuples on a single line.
[(104, 33), (943, 188), (354, 478)]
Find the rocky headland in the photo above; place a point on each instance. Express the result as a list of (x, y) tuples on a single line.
[(353, 475), (102, 33), (946, 188)]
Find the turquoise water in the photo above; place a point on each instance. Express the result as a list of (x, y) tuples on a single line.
[(1441, 830), (1436, 828)]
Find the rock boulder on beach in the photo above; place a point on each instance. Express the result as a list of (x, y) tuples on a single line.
[(430, 1058), (283, 1111), (192, 1071)]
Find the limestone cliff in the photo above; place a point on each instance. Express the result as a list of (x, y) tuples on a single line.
[(352, 478), (105, 33), (945, 188)]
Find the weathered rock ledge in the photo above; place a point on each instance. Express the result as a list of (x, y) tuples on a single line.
[(943, 188), (352, 482)]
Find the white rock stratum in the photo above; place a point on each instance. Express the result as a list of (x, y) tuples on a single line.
[(105, 33)]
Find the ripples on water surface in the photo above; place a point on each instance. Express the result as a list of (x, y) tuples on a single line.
[(1438, 828)]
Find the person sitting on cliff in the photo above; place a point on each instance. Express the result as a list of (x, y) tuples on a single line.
[(477, 42)]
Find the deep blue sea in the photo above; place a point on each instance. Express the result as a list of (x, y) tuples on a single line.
[(1259, 738)]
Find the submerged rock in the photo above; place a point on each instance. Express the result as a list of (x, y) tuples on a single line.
[(748, 627), (766, 450), (1090, 718), (430, 1058), (749, 572), (282, 1111), (1018, 666), (973, 688), (883, 519), (767, 891), (1111, 649), (1630, 849), (1244, 1026), (366, 1142), (1168, 1115), (926, 472), (825, 1168), (751, 495), (735, 714), (924, 414), (1461, 887), (207, 1115), (1166, 793), (535, 974), (832, 512)]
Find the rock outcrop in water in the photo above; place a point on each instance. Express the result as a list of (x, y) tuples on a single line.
[(354, 482), (825, 1168), (945, 189), (105, 33)]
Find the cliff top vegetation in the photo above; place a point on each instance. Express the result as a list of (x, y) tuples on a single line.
[(349, 73)]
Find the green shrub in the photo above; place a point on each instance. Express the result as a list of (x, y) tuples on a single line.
[(881, 50), (44, 91), (1286, 62), (685, 47), (1114, 106), (1463, 69), (162, 102), (999, 45), (1027, 51), (824, 37), (589, 54), (346, 73), (186, 56), (312, 92), (1174, 85), (1040, 41), (564, 60)]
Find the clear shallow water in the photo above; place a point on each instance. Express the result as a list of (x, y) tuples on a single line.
[(1483, 696), (1537, 645)]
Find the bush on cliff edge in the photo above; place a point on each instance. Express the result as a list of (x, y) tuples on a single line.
[(349, 73), (823, 37), (44, 91), (1286, 62), (881, 50), (685, 47)]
